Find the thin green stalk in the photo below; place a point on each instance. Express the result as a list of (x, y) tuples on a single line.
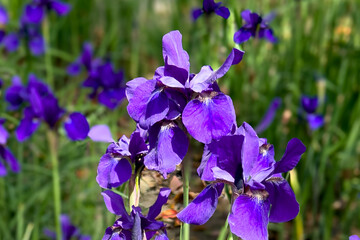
[(53, 144), (48, 64), (186, 187)]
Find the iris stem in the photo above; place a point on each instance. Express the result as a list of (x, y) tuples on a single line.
[(186, 187), (48, 64), (53, 144)]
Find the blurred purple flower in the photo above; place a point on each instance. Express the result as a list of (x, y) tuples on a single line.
[(5, 153), (4, 18), (354, 237), (114, 167), (100, 133), (135, 226), (11, 42), (209, 6), (255, 26), (69, 231), (35, 11), (269, 116), (310, 104), (247, 164)]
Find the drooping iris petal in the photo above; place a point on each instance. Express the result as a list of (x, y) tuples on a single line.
[(269, 116), (209, 118), (196, 13), (60, 8), (26, 128), (111, 98), (76, 126), (10, 159), (156, 109), (74, 68), (168, 146), (4, 18), (11, 42), (162, 198), (33, 13), (115, 204), (292, 155), (138, 102), (354, 237), (3, 134), (222, 175), (200, 210), (112, 172), (284, 206), (223, 12), (100, 133), (208, 161), (173, 52), (315, 121), (268, 35), (242, 36), (249, 218), (37, 45)]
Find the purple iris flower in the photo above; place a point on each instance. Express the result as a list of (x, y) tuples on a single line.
[(11, 42), (35, 11), (42, 105), (69, 231), (135, 226), (114, 167), (269, 115), (176, 98), (247, 164), (310, 104), (5, 153), (354, 237), (255, 26), (209, 6), (4, 18)]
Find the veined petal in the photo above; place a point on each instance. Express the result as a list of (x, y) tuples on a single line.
[(156, 108), (292, 155), (284, 206), (100, 133), (209, 118), (115, 204), (132, 85), (249, 218), (162, 198), (202, 207), (76, 126), (168, 147), (112, 172), (173, 52)]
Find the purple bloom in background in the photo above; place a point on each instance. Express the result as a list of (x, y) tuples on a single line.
[(114, 167), (247, 164), (269, 116), (4, 18), (135, 226), (255, 26), (35, 11), (354, 237), (41, 105), (174, 95), (11, 42), (209, 6), (310, 104), (100, 133), (69, 231), (5, 153)]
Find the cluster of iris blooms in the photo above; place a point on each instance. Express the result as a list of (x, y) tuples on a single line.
[(29, 29), (168, 108)]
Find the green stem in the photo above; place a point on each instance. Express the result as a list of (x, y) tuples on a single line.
[(186, 187), (53, 143), (48, 64)]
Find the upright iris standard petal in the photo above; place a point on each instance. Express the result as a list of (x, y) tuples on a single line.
[(112, 171), (223, 12), (173, 52), (168, 147), (200, 210), (269, 116), (284, 206), (33, 13), (100, 133), (292, 155), (76, 126), (249, 218), (209, 117), (155, 209)]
